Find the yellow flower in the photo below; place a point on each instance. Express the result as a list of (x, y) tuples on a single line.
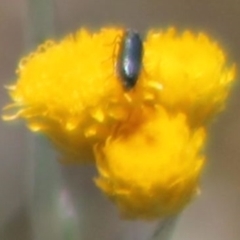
[(148, 142), (192, 70), (154, 171)]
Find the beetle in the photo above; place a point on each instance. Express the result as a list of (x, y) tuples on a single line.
[(129, 59)]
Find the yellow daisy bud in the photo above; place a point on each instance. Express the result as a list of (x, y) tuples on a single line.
[(70, 91), (192, 70), (154, 171)]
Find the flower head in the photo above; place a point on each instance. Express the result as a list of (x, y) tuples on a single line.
[(155, 170), (148, 141)]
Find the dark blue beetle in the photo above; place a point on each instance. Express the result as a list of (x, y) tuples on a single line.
[(129, 60)]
